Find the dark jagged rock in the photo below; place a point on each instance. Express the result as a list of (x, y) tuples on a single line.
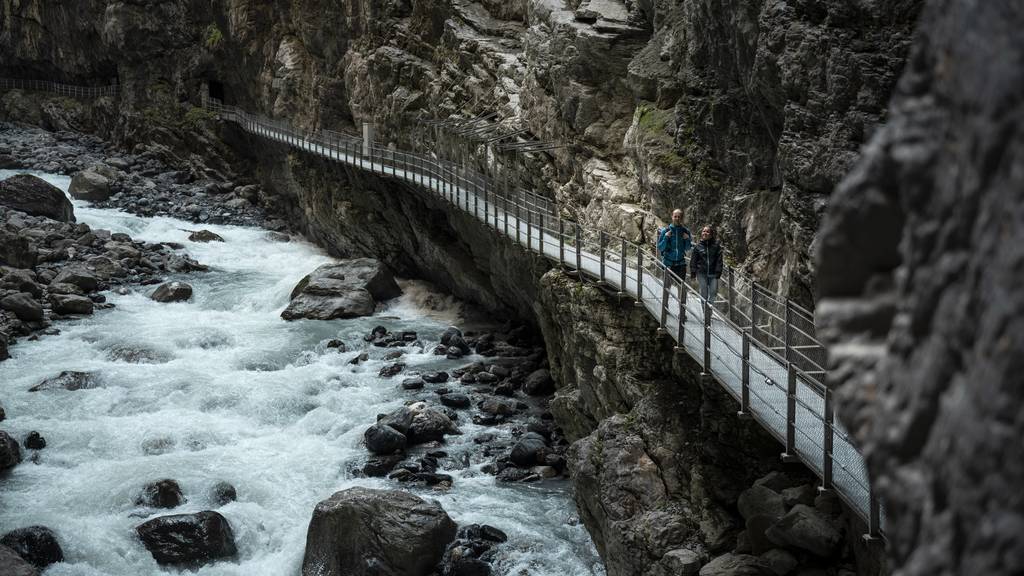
[(198, 538), (35, 441), (348, 289), (364, 532), (529, 450), (68, 380), (539, 383), (172, 292), (222, 493), (380, 466), (923, 314), (10, 452), (456, 400), (35, 196), (161, 494), (435, 377), (383, 439), (204, 236), (71, 304), (90, 185), (428, 424), (24, 306), (391, 370), (412, 383), (11, 564), (79, 276), (36, 544)]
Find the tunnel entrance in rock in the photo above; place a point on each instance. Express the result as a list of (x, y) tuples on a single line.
[(216, 90)]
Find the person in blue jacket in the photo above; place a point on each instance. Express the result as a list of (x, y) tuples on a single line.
[(674, 241)]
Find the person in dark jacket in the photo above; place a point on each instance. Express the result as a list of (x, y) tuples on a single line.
[(706, 263), (673, 243)]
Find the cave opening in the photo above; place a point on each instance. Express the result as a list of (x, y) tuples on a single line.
[(216, 90)]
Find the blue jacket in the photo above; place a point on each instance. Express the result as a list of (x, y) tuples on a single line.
[(673, 249)]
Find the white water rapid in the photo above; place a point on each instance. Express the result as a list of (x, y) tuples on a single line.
[(237, 395)]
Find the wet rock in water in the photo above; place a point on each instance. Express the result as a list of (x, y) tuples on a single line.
[(380, 466), (364, 532), (383, 439), (172, 292), (452, 338), (394, 355), (400, 419), (336, 344), (223, 493), (3, 415), (391, 369), (529, 450), (412, 383), (79, 276), (188, 538), (24, 306), (467, 555), (539, 383), (35, 197), (456, 400), (161, 494), (71, 304), (435, 377), (4, 354), (348, 289), (486, 378), (204, 236), (35, 441), (278, 237), (68, 380), (10, 452), (11, 564), (89, 185), (36, 544), (359, 358), (428, 424), (136, 355), (498, 407), (805, 528)]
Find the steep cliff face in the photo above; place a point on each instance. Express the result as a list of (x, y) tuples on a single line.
[(744, 113), (921, 268)]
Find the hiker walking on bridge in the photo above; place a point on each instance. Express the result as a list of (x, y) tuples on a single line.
[(706, 263), (673, 243)]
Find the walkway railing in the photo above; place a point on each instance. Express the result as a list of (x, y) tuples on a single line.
[(759, 346), (57, 88)]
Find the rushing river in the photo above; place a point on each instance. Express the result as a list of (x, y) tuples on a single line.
[(236, 395)]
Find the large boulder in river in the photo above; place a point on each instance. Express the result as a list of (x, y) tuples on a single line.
[(348, 289), (37, 197), (383, 439), (364, 532), (89, 185), (36, 544), (10, 452), (11, 564), (204, 236), (188, 538), (24, 306), (70, 304), (68, 380), (172, 292)]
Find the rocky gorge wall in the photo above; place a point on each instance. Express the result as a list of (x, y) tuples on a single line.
[(924, 312)]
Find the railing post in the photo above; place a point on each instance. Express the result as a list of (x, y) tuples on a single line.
[(603, 240), (664, 300), (519, 223), (874, 517), (731, 296), (707, 337), (827, 443), (786, 331), (486, 206), (561, 243), (579, 251), (504, 202), (681, 329), (639, 275), (529, 230), (476, 203), (753, 311), (790, 454), (745, 378), (622, 268)]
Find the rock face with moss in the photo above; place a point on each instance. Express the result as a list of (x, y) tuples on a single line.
[(924, 313), (744, 113)]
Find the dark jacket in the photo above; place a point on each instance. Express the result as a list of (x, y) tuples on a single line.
[(706, 259), (673, 249)]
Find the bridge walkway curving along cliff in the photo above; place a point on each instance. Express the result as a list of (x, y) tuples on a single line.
[(757, 345)]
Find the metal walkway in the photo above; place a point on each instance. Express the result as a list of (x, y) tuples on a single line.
[(760, 347)]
